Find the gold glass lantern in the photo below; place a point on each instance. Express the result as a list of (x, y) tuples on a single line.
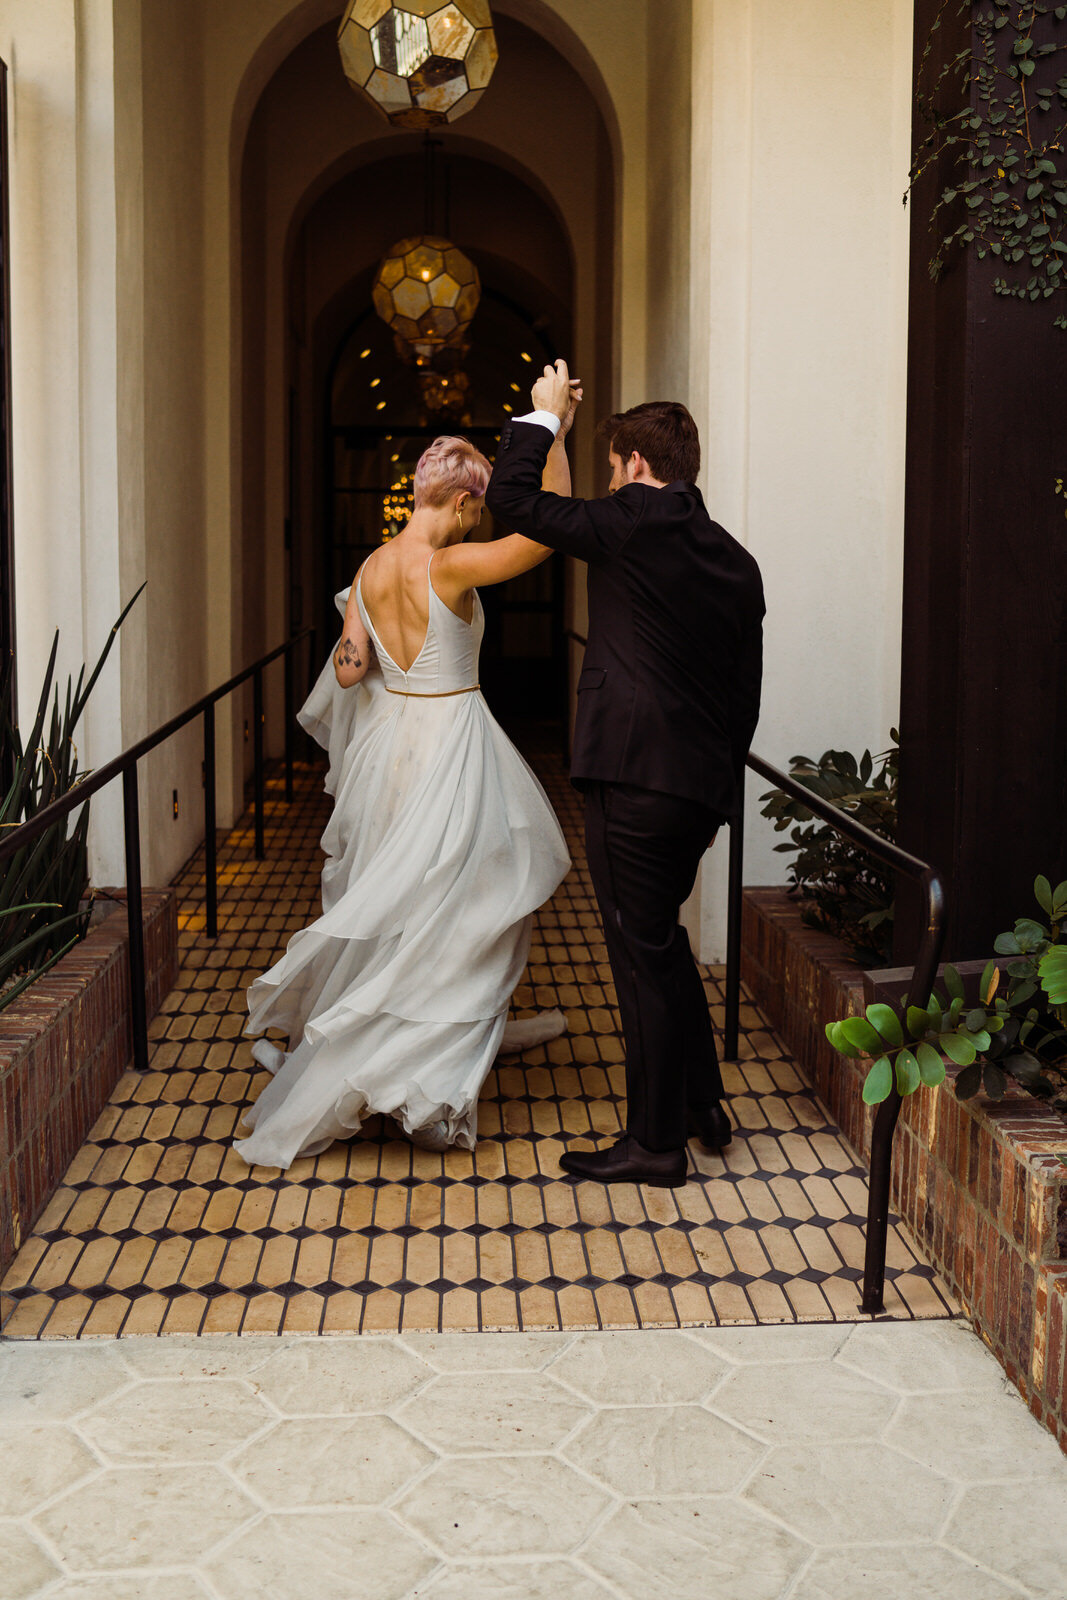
[(422, 62), (427, 291), (445, 394)]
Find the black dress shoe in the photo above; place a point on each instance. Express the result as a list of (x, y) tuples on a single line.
[(710, 1125), (626, 1161)]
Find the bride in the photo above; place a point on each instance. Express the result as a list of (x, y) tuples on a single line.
[(441, 846)]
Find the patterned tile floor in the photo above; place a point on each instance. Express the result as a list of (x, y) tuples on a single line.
[(159, 1227)]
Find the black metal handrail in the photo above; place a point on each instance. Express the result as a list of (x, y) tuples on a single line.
[(125, 766), (925, 971)]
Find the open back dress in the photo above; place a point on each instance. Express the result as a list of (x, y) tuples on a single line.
[(441, 846)]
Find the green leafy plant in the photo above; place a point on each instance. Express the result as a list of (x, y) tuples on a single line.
[(848, 892), (1000, 1035), (1032, 943), (43, 886), (1008, 197)]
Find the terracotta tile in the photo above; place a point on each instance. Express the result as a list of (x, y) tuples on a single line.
[(263, 1314), (68, 1317), (499, 1309), (277, 1260), (28, 1317), (25, 1264), (343, 1312), (381, 1313)]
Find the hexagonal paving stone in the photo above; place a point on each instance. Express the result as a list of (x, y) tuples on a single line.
[(194, 1420), (1018, 1529), (172, 1586), (486, 1352), (928, 1572), (329, 1555), (224, 1355), (922, 1357), (640, 1368), (26, 1567), (976, 1437), (39, 1463), (39, 1382), (505, 1506), (652, 1450), (471, 1412), (808, 1341), (307, 1461), (695, 1549), (805, 1400), (541, 1580), (331, 1378), (839, 1496), (145, 1517)]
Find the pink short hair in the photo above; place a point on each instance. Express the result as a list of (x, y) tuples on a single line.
[(450, 466)]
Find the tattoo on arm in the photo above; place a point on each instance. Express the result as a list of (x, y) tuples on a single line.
[(348, 654)]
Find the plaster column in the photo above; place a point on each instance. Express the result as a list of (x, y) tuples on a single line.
[(799, 267)]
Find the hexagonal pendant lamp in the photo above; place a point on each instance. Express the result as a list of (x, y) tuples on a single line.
[(427, 291), (422, 62)]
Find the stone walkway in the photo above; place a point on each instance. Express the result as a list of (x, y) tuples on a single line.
[(160, 1227), (793, 1463)]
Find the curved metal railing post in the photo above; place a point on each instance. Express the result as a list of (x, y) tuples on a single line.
[(211, 869), (926, 963), (257, 758), (885, 1120), (735, 911), (135, 918)]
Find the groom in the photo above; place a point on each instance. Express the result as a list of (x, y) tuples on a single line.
[(668, 700)]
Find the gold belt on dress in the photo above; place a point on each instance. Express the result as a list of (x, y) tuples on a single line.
[(442, 694)]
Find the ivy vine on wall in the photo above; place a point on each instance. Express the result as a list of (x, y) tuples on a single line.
[(1007, 144)]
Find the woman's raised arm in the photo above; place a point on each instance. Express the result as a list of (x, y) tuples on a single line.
[(474, 566)]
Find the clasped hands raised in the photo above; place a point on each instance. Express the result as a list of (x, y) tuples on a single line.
[(556, 391)]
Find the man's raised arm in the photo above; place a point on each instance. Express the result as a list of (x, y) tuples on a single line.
[(591, 530)]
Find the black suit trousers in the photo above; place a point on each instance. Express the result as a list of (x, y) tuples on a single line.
[(644, 850)]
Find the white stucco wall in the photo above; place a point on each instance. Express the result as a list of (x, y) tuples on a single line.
[(63, 308), (799, 265)]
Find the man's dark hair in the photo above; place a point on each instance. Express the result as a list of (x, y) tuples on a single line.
[(663, 432)]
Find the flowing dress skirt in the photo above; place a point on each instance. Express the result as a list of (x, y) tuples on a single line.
[(441, 846)]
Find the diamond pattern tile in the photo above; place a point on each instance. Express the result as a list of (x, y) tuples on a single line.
[(159, 1228)]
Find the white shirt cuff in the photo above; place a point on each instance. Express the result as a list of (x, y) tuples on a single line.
[(547, 419)]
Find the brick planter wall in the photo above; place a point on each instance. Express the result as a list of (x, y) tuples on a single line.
[(978, 1182), (64, 1044), (802, 979)]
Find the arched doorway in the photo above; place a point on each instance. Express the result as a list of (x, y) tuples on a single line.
[(369, 420), (539, 223)]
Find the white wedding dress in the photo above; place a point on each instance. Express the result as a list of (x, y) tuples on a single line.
[(441, 846)]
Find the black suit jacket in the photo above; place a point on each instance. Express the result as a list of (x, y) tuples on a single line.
[(668, 697)]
